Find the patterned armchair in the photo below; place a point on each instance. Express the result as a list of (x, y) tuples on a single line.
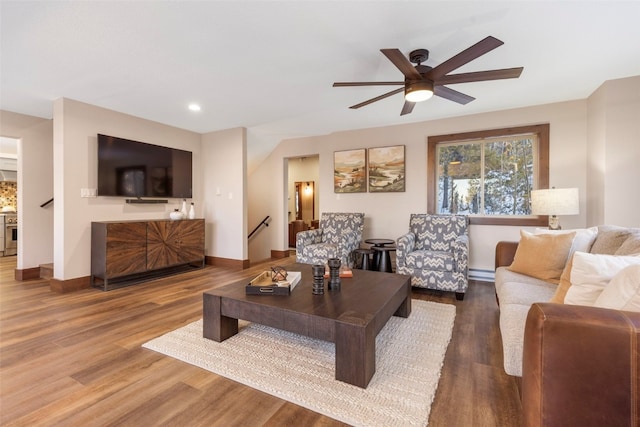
[(338, 236), (435, 252)]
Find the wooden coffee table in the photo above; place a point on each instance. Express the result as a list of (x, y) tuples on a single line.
[(351, 318)]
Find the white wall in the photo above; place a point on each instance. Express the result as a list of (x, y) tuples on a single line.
[(76, 126), (225, 193), (614, 153), (35, 186), (387, 214)]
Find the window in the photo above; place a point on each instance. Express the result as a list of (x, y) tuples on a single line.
[(489, 175)]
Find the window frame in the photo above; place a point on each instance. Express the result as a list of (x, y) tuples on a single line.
[(542, 178)]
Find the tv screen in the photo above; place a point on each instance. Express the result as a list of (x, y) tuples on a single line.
[(136, 169)]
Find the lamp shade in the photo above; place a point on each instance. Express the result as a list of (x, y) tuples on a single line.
[(555, 201)]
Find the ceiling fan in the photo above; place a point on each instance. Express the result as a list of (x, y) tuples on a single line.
[(421, 81)]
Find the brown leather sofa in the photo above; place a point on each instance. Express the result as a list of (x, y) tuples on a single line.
[(581, 367)]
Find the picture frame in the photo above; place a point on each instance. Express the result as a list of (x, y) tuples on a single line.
[(350, 171), (386, 169)]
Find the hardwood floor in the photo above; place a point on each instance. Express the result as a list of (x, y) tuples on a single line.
[(76, 359)]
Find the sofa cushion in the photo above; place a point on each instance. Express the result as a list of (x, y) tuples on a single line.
[(512, 321), (631, 246), (564, 285), (590, 274), (542, 256), (610, 238), (526, 293), (623, 292), (582, 241)]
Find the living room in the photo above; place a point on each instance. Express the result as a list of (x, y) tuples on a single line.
[(593, 147)]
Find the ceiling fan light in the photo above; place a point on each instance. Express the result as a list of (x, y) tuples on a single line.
[(418, 91)]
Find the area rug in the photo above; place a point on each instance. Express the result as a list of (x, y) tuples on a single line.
[(409, 356)]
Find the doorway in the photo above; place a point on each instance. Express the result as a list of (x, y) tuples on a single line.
[(303, 195)]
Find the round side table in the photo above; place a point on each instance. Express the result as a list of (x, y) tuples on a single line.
[(381, 258), (382, 253), (366, 263)]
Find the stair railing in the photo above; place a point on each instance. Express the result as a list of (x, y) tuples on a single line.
[(263, 222), (48, 202)]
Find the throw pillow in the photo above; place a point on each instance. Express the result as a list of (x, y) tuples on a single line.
[(631, 246), (590, 274), (610, 238), (623, 292), (542, 256), (581, 243), (564, 285)]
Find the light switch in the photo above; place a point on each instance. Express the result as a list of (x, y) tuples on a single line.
[(87, 192)]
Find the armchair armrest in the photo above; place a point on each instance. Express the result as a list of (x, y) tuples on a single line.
[(404, 244), (308, 237), (349, 242), (505, 252), (580, 366), (460, 248)]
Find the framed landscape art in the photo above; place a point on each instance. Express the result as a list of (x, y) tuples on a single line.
[(387, 169), (350, 171)]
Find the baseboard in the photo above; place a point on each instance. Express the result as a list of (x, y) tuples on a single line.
[(64, 286), (27, 273), (227, 262), (482, 275), (280, 254)]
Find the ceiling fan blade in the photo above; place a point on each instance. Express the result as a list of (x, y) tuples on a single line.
[(377, 98), (467, 55), (402, 63), (452, 95), (407, 107), (479, 76), (345, 84)]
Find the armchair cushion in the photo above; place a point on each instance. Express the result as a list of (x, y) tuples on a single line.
[(430, 259)]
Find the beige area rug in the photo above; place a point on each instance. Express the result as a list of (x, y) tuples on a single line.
[(409, 356)]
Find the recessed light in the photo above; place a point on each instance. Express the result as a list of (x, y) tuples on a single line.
[(194, 107)]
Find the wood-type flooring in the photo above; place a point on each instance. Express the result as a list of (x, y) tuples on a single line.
[(76, 359)]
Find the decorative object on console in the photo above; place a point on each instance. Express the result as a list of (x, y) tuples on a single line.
[(192, 212), (554, 202), (176, 215), (184, 208)]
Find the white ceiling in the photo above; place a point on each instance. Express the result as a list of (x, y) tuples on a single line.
[(269, 66)]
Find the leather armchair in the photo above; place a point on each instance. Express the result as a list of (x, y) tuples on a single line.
[(435, 252), (338, 236), (581, 367)]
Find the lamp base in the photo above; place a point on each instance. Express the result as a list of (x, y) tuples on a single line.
[(554, 223)]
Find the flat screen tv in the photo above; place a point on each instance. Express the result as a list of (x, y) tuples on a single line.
[(136, 169)]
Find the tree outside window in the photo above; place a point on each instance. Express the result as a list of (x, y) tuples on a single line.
[(488, 175)]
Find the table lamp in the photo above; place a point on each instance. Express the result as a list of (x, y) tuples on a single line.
[(554, 202)]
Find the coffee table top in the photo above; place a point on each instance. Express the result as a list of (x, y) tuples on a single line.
[(362, 295)]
